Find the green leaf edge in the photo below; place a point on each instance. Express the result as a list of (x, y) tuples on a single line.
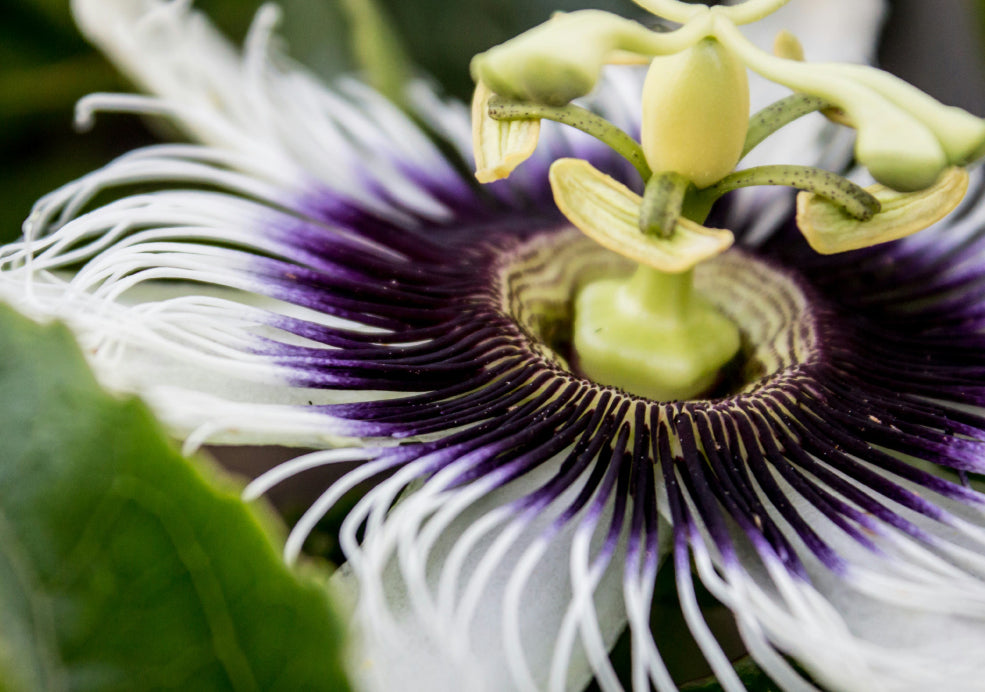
[(263, 601)]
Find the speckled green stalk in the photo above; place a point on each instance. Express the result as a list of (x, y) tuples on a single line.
[(778, 115), (662, 202), (854, 199), (578, 118)]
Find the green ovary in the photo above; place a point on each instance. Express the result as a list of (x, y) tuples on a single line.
[(651, 335), (695, 112)]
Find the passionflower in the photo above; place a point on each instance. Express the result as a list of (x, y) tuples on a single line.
[(317, 272)]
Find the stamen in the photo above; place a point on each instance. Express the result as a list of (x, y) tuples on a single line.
[(662, 202), (562, 59), (788, 46), (961, 134), (778, 115), (578, 118), (852, 198), (899, 149)]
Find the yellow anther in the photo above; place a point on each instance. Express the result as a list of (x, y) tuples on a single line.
[(830, 230), (499, 146)]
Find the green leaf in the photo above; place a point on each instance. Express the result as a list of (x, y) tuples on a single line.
[(124, 566)]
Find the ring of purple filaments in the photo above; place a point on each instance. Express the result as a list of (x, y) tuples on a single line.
[(869, 364)]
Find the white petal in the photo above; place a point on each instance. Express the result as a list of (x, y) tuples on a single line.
[(174, 52), (459, 593), (259, 104), (905, 620), (830, 31), (169, 304)]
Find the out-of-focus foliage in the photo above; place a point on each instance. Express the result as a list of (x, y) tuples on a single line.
[(981, 18), (442, 36), (940, 48)]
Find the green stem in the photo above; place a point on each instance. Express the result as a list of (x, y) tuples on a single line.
[(778, 115), (652, 335), (853, 199), (662, 202), (578, 118), (665, 297)]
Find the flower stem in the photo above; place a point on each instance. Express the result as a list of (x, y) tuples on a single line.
[(777, 115), (665, 297), (852, 198), (662, 202), (652, 335)]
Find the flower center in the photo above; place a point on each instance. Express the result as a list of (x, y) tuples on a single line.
[(655, 334), (775, 313)]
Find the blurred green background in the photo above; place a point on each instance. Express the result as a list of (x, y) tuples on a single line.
[(45, 66)]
